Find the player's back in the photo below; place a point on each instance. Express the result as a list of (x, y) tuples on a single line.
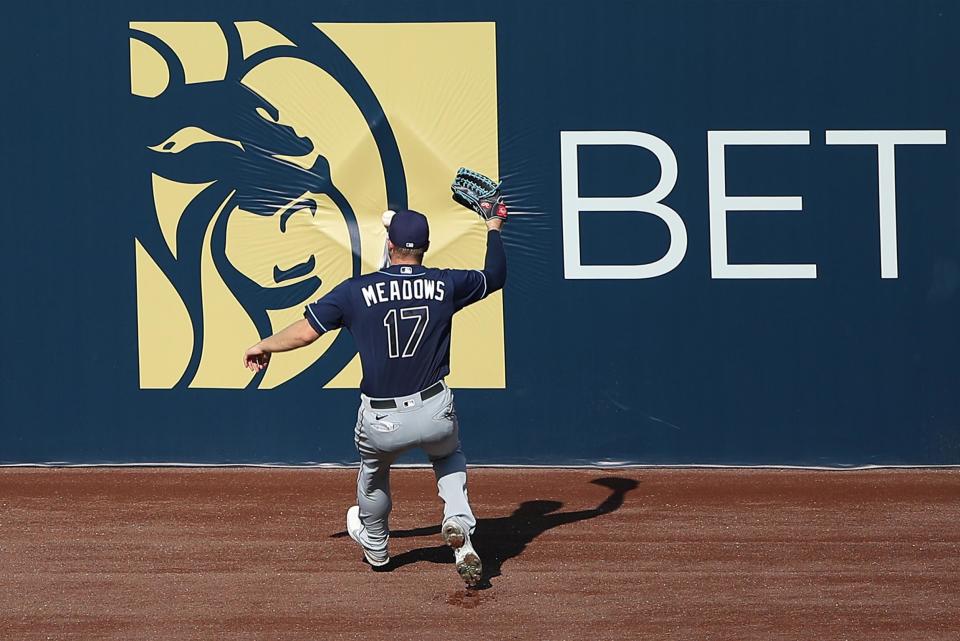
[(400, 318)]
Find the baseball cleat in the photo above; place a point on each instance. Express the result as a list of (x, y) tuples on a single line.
[(354, 528), (468, 561)]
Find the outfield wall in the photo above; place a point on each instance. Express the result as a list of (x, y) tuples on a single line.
[(735, 231)]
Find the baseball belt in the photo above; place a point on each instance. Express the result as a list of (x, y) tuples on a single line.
[(390, 404)]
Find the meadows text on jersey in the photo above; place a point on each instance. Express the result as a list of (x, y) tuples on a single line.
[(400, 318)]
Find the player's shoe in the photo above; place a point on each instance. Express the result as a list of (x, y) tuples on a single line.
[(468, 561), (354, 528)]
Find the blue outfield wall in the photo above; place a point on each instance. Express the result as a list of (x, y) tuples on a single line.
[(782, 287)]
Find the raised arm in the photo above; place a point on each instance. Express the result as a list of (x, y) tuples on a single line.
[(495, 262)]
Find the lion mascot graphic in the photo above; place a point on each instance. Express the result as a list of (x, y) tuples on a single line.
[(232, 143)]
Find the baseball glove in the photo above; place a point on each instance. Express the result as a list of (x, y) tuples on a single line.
[(479, 193)]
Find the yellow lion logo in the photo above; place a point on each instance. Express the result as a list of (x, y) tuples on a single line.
[(269, 153)]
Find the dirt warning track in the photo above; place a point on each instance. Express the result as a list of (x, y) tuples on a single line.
[(174, 553)]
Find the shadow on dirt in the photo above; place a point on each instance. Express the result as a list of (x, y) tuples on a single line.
[(500, 539)]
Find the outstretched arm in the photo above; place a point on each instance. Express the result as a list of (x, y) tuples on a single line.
[(297, 335), (495, 262), (482, 194)]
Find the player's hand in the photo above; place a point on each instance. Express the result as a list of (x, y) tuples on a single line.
[(495, 223), (255, 358)]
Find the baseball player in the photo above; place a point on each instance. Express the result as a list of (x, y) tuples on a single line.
[(400, 318)]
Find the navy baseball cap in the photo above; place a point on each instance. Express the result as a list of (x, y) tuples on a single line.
[(409, 229)]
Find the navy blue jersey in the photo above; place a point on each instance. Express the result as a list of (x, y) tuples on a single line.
[(400, 318)]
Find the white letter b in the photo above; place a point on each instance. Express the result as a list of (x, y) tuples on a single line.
[(648, 203)]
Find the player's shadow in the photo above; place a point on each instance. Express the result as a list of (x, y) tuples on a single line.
[(500, 539)]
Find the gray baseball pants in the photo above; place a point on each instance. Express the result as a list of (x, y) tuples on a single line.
[(382, 435)]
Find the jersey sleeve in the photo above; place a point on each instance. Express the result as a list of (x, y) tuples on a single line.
[(469, 286), (330, 312), (472, 285)]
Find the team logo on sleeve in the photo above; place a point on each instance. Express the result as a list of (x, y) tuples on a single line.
[(267, 153)]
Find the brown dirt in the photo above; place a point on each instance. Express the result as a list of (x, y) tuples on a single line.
[(158, 554)]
